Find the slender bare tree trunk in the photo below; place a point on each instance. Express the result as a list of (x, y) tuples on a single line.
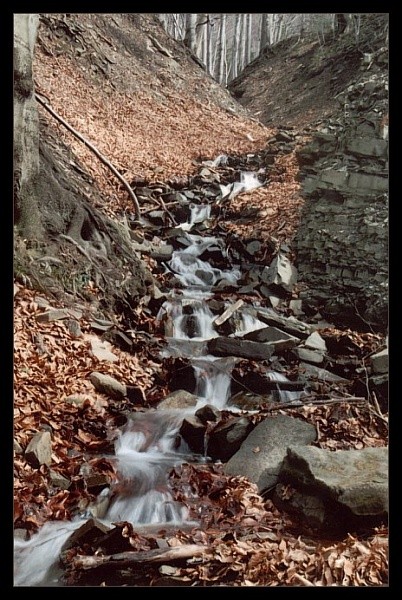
[(190, 36), (235, 47), (222, 50), (249, 37), (264, 39)]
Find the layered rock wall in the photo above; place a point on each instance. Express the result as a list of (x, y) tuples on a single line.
[(342, 244)]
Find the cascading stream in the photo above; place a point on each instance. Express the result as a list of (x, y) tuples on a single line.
[(148, 446)]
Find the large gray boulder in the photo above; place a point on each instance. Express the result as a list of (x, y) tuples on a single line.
[(335, 490), (261, 454)]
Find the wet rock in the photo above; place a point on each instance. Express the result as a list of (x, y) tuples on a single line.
[(249, 401), (280, 339), (39, 450), (221, 346), (105, 384), (261, 454), (208, 413), (178, 399), (193, 433), (86, 534), (226, 438), (337, 489), (290, 325), (98, 508)]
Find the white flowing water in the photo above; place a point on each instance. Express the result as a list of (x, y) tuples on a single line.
[(148, 446)]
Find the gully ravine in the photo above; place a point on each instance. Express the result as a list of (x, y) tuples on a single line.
[(149, 445)]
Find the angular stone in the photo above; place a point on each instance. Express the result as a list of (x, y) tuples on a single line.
[(105, 384), (87, 533), (280, 272), (261, 454), (368, 146), (178, 399), (335, 178), (380, 361), (39, 450), (227, 438), (373, 183), (208, 413), (271, 335), (290, 325), (352, 485), (54, 314), (101, 350), (193, 433), (315, 342), (321, 374), (296, 307), (314, 356), (221, 346), (59, 480)]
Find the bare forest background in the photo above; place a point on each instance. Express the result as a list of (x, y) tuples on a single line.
[(227, 43)]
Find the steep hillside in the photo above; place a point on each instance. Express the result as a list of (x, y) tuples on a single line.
[(136, 94), (296, 82)]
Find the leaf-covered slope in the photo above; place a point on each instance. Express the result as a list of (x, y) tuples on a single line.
[(296, 82)]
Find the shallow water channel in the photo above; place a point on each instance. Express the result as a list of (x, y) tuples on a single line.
[(148, 446)]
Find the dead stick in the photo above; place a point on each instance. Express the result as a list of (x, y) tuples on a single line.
[(303, 580), (104, 160), (129, 558)]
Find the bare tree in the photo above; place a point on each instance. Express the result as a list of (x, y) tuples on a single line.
[(26, 128), (190, 35)]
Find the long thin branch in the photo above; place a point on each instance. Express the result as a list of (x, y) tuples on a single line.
[(151, 556), (104, 160)]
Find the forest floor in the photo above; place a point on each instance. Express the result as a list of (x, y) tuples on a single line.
[(157, 126)]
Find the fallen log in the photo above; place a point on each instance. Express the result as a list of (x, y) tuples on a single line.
[(124, 559)]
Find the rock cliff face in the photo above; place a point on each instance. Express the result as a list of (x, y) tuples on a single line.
[(339, 91), (342, 242)]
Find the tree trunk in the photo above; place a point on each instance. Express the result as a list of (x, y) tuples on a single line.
[(26, 128), (222, 51), (190, 37), (248, 38), (264, 40)]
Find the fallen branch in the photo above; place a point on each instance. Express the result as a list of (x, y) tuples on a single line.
[(104, 160), (303, 580), (228, 312), (129, 558)]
